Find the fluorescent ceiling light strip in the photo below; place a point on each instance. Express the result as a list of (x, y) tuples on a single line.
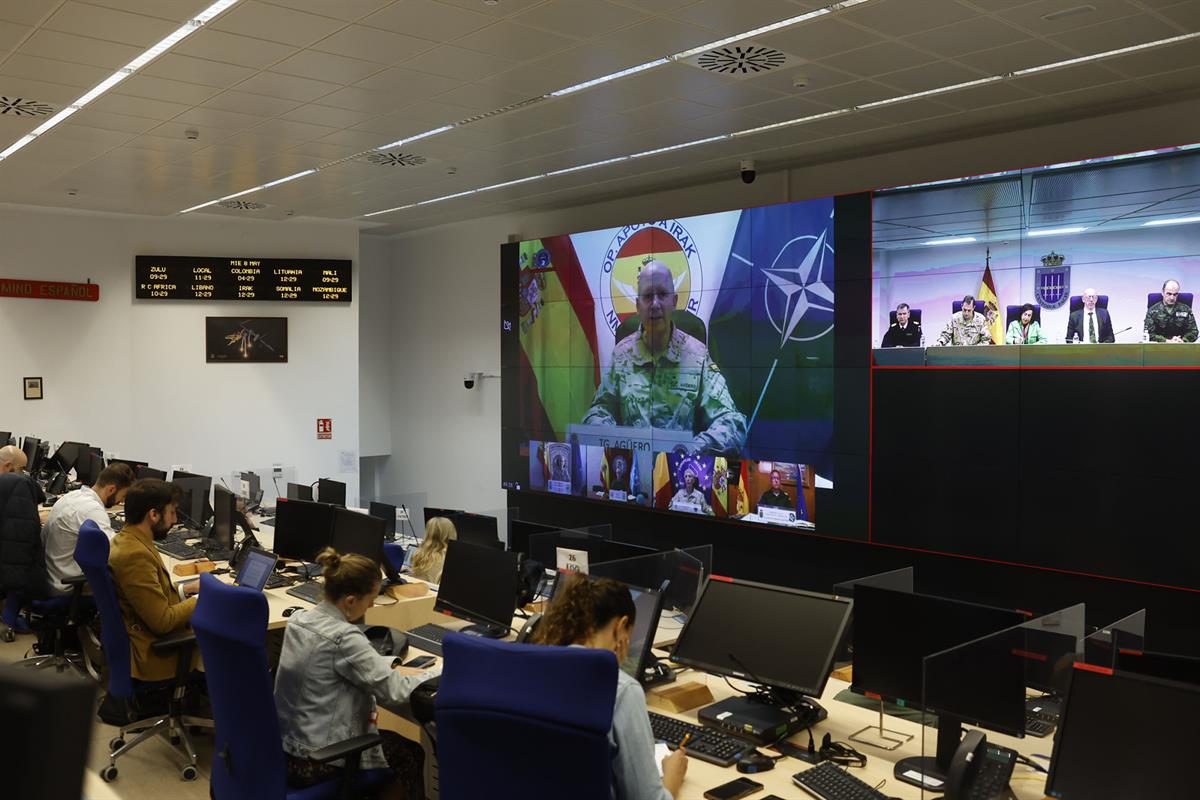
[(202, 205), (579, 87), (904, 98), (582, 167), (790, 122), (681, 146), (1172, 221), (952, 240), (1106, 54), (774, 26), (151, 53), (288, 178), (446, 197), (390, 210), (418, 137), (510, 183), (1057, 231)]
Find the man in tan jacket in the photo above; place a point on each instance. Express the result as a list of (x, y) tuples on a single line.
[(150, 605)]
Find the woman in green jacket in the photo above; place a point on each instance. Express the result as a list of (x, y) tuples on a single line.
[(1024, 330)]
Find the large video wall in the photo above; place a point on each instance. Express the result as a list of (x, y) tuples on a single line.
[(772, 365)]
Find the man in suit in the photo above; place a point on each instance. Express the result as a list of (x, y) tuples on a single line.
[(1090, 324), (904, 332), (150, 605)]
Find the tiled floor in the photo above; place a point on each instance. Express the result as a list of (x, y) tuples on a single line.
[(149, 772)]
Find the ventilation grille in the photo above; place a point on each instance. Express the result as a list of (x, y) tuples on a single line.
[(242, 205), (397, 159), (23, 107), (742, 61)]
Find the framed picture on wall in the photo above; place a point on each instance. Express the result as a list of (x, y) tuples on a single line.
[(246, 340), (33, 388)]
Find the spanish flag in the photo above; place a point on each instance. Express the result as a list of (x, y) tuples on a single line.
[(743, 497), (720, 487), (990, 302), (663, 490)]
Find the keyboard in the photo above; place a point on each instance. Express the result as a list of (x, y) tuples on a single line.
[(706, 744), (1037, 725), (277, 581), (428, 637), (310, 591), (267, 521), (828, 781), (178, 549)]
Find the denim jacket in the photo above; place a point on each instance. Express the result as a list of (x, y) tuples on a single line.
[(329, 680)]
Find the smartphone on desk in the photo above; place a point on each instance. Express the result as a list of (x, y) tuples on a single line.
[(742, 787), (420, 662)]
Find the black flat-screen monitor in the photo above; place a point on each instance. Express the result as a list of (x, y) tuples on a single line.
[(151, 472), (387, 513), (1185, 669), (40, 707), (355, 532), (225, 515), (5, 438), (193, 503), (32, 447), (88, 468), (332, 492), (1124, 735), (645, 624), (477, 529), (431, 512), (299, 491), (252, 485), (302, 529), (1049, 655), (773, 635), (479, 584), (133, 465), (67, 455)]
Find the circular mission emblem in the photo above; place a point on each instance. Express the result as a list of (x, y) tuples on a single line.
[(634, 246)]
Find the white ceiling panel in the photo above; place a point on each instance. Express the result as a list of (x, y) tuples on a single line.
[(966, 37), (233, 49), (115, 122), (931, 76), (984, 96), (1012, 57), (176, 11), (456, 62), (11, 35), (79, 49), (1116, 34), (1185, 14), (479, 98), (408, 83), (51, 71), (176, 130), (326, 151), (256, 105), (327, 67), (654, 38), (369, 102), (359, 140), (27, 12), (349, 10), (507, 8), (851, 94), (1064, 80), (197, 70), (877, 59), (1158, 60), (372, 44), (903, 19), (585, 18), (558, 71), (111, 25), (287, 87), (515, 41), (329, 116), (821, 38), (1032, 16), (101, 138), (139, 85), (275, 24), (210, 116), (287, 132), (38, 91), (432, 20)]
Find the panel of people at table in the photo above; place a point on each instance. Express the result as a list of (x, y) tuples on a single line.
[(1167, 320)]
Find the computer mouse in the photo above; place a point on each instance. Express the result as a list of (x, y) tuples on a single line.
[(287, 612), (755, 762)]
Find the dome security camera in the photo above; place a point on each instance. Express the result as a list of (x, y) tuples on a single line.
[(470, 379), (747, 170)]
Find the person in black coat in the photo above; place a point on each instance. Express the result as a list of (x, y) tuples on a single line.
[(22, 560), (1077, 323)]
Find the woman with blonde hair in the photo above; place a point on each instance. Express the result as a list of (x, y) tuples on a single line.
[(431, 555)]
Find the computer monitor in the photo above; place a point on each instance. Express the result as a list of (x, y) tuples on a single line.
[(1124, 735), (302, 528), (1049, 654), (251, 486), (193, 503), (39, 708), (387, 513), (131, 463), (150, 472), (32, 447), (1129, 633), (355, 532), (332, 492), (1184, 669), (256, 568), (431, 512), (224, 517), (477, 529), (5, 438), (299, 491), (88, 468), (479, 584), (67, 454), (902, 580), (895, 631)]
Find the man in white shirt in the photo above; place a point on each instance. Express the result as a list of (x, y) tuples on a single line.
[(61, 530)]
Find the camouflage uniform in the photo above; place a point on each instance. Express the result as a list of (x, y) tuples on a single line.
[(695, 496), (959, 332), (1164, 322), (682, 391)]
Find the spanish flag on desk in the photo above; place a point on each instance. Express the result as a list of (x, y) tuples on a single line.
[(988, 299)]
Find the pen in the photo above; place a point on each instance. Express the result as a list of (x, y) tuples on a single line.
[(684, 740)]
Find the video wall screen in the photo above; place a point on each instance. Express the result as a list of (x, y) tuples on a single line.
[(1103, 253), (689, 365)]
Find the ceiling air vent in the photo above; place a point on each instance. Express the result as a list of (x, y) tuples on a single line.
[(242, 205), (742, 61), (23, 107), (397, 159)]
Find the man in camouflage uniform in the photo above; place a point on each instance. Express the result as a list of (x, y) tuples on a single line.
[(690, 493), (1170, 320), (663, 378), (967, 328)]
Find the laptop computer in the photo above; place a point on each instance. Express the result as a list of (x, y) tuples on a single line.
[(256, 569)]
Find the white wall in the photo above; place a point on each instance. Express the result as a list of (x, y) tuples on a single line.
[(130, 375), (446, 441)]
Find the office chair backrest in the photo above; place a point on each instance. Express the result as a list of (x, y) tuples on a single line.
[(1101, 302), (231, 628), (519, 718), (1156, 297), (394, 553), (1014, 312), (980, 306), (914, 315), (91, 554)]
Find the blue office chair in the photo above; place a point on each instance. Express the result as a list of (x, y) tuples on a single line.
[(56, 620), (394, 553), (1101, 302), (913, 313), (1156, 297), (1014, 312), (499, 701), (980, 306), (132, 705)]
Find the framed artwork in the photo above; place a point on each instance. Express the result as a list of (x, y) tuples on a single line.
[(33, 388), (246, 340)]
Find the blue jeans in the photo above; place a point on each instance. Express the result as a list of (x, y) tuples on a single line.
[(12, 608)]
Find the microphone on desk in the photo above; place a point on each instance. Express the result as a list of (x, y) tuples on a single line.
[(1123, 330), (408, 518)]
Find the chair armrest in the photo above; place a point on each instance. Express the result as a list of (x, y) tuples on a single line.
[(75, 580), (173, 643), (342, 749)]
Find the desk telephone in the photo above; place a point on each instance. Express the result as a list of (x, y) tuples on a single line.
[(979, 771)]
